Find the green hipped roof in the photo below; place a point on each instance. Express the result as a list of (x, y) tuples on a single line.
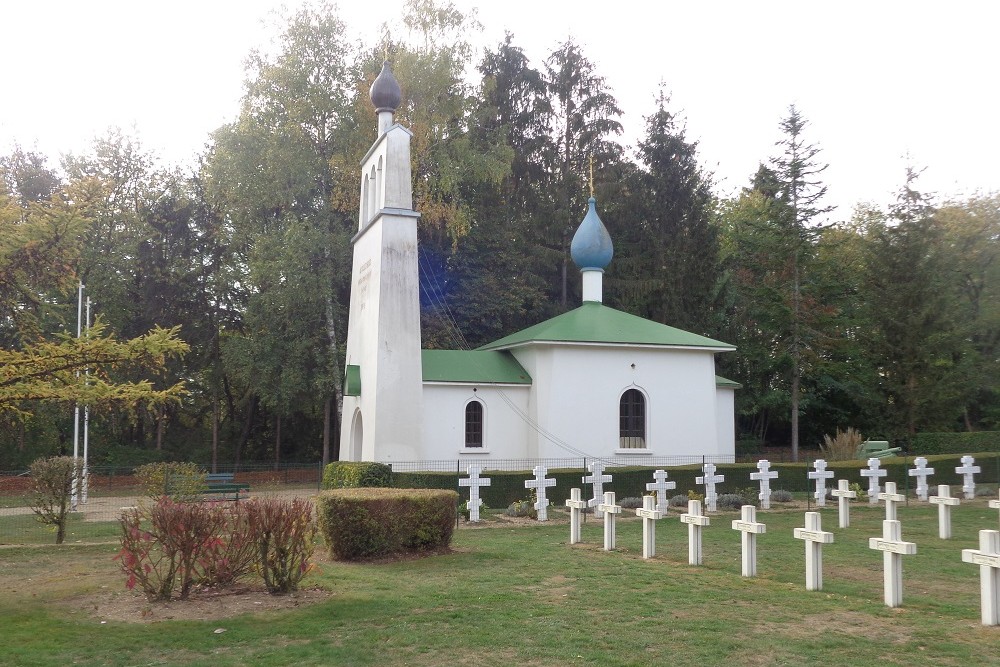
[(723, 382), (596, 323), (474, 366)]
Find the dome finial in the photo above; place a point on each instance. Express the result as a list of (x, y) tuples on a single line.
[(385, 92)]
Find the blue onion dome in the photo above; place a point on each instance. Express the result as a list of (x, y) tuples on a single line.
[(385, 92), (591, 247)]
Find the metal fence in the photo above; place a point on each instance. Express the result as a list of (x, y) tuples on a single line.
[(574, 463), (112, 488)]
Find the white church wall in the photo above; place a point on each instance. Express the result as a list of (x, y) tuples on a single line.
[(725, 415), (505, 433), (577, 391)]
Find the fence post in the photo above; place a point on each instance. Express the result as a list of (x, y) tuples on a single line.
[(808, 491), (458, 488)]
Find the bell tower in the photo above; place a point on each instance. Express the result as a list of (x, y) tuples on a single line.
[(383, 384)]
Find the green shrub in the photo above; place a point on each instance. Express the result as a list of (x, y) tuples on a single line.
[(679, 500), (955, 443), (781, 496), (362, 523), (522, 508), (178, 481), (729, 501), (357, 474), (749, 494), (51, 489), (630, 503)]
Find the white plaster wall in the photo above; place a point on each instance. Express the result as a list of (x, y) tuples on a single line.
[(505, 433), (577, 388), (725, 398)]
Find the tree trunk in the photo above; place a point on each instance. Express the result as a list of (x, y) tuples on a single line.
[(277, 440), (327, 406), (247, 426), (161, 417), (215, 434), (338, 382)]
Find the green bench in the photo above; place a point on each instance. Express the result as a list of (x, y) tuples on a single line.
[(877, 449), (222, 484)]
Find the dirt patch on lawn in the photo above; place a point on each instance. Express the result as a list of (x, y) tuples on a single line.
[(203, 605)]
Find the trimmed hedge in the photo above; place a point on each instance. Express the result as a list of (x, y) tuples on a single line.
[(356, 474), (507, 487), (368, 522), (955, 443)]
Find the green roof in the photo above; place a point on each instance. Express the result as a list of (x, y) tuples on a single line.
[(474, 366), (723, 382), (596, 323)]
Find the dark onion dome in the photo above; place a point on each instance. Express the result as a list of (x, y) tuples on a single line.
[(385, 92), (591, 247)]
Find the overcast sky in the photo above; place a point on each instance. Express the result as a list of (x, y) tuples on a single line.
[(877, 80)]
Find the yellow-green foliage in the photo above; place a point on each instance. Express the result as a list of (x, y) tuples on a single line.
[(367, 522), (179, 481), (356, 474)]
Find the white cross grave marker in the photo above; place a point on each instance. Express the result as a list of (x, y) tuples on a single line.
[(764, 475), (660, 486), (474, 481), (575, 505), (609, 510), (539, 484), (873, 472), (820, 474), (968, 472), (710, 479), (921, 472), (649, 513), (987, 557), (945, 502), (597, 479), (994, 504), (844, 496), (695, 521), (894, 548), (815, 538), (747, 524), (891, 499)]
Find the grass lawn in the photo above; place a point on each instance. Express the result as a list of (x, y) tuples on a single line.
[(522, 596)]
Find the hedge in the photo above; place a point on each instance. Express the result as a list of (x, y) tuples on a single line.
[(955, 443), (369, 522), (506, 487), (356, 474)]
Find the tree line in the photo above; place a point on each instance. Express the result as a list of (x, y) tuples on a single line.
[(886, 318)]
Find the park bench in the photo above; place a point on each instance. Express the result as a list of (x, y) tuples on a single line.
[(877, 449), (221, 486)]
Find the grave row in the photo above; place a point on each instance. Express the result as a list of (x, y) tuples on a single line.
[(890, 543), (764, 476)]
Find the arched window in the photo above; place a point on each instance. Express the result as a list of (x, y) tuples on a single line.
[(473, 424), (632, 420)]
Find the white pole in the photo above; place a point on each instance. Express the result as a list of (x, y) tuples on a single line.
[(76, 411), (86, 425)]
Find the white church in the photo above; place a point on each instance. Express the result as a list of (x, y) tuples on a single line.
[(594, 381)]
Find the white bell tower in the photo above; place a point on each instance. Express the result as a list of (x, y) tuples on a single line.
[(383, 383)]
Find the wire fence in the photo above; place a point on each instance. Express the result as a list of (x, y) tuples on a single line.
[(113, 488), (581, 462)]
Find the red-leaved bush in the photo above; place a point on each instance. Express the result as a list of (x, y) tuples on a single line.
[(181, 544), (285, 534)]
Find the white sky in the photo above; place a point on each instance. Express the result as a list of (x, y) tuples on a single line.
[(877, 79)]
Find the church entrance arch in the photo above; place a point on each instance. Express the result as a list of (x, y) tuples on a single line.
[(357, 436)]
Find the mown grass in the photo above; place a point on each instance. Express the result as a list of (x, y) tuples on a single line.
[(522, 595)]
